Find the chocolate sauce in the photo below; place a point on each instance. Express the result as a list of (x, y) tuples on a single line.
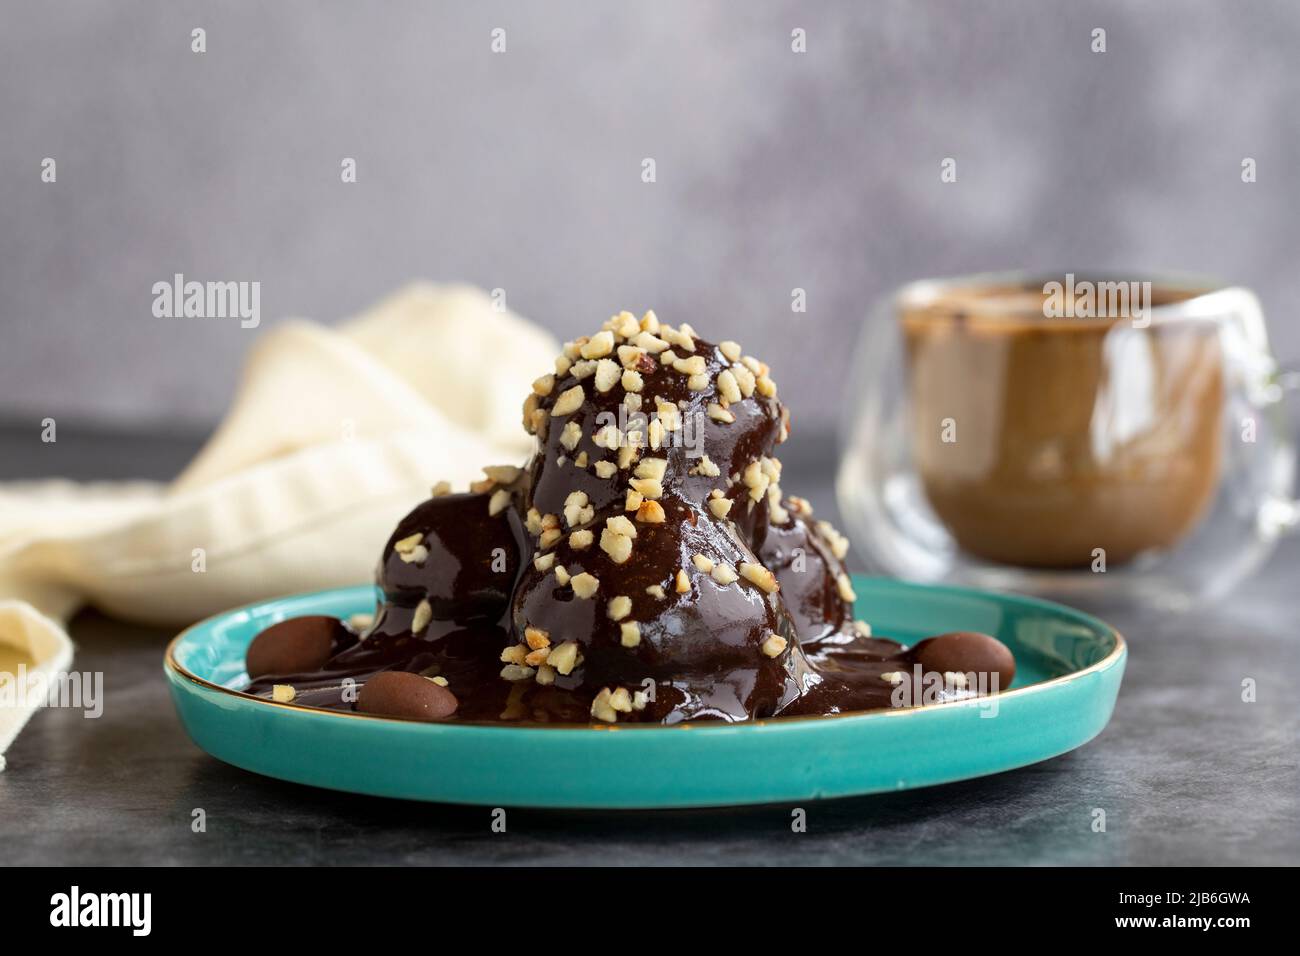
[(731, 613)]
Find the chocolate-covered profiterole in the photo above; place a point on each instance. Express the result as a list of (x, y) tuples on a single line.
[(643, 566)]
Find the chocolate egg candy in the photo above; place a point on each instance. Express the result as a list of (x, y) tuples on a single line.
[(966, 652), (402, 694), (295, 646)]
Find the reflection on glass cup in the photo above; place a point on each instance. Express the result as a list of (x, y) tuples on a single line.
[(1069, 435)]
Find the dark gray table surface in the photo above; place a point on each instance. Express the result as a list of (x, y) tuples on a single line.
[(1186, 772)]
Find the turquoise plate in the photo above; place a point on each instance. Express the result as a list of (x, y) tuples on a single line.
[(1068, 665)]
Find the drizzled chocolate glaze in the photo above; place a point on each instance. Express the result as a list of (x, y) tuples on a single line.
[(706, 647)]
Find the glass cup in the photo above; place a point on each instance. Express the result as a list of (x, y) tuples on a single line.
[(1090, 438)]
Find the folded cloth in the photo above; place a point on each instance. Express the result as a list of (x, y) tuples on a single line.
[(334, 435)]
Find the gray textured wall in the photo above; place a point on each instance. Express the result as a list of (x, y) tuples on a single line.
[(522, 170)]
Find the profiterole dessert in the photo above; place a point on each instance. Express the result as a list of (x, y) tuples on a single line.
[(643, 566)]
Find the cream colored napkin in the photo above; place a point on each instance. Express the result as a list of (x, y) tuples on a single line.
[(333, 436)]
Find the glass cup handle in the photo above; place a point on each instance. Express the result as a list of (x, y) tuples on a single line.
[(1287, 383)]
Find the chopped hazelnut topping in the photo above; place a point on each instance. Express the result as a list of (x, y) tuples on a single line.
[(719, 506), (517, 672), (530, 413), (601, 709), (766, 387), (584, 585), (629, 633), (570, 435), (844, 587), (605, 469), (499, 502), (535, 637), (584, 369), (724, 574), (568, 402), (839, 544), (544, 385), (620, 525), (621, 700), (683, 583), (609, 437), (650, 512), (649, 487), (759, 575), (283, 693), (655, 433), (581, 460), (720, 414), (650, 321), (562, 575), (545, 675), (619, 607), (634, 499), (581, 540), (626, 325), (756, 480), (422, 616), (656, 590), (577, 510), (533, 521), (777, 512), (626, 455), (409, 543), (698, 383), (632, 401), (632, 380), (702, 562), (562, 365), (668, 358), (727, 386), (744, 380), (690, 366), (652, 468), (537, 657), (607, 374), (564, 657), (639, 700), (411, 548), (706, 467), (649, 342), (774, 645), (629, 356), (514, 654), (617, 546), (441, 489), (669, 415), (440, 681), (730, 349), (893, 677), (549, 538), (861, 628), (598, 346)]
